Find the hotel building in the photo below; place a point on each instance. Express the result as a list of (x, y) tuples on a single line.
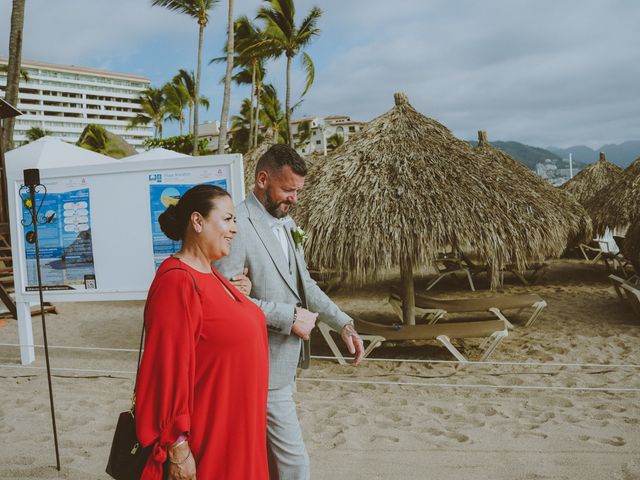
[(323, 128), (64, 99)]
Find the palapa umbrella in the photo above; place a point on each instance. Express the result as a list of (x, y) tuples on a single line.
[(405, 188), (250, 160), (614, 205), (593, 178), (556, 208)]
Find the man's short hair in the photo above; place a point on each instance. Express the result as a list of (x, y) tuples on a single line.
[(277, 157)]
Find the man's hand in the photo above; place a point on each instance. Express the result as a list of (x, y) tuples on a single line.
[(242, 282), (304, 323), (354, 343)]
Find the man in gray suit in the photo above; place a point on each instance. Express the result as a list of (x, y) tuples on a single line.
[(291, 300)]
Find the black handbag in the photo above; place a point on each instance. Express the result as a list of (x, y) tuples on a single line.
[(128, 458)]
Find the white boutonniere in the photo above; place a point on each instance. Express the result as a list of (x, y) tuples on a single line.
[(299, 238)]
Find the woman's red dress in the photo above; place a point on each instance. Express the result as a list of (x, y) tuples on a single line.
[(204, 371)]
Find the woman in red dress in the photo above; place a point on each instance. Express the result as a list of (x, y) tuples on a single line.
[(201, 393)]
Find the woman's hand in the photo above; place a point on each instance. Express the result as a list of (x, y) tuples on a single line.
[(182, 465)]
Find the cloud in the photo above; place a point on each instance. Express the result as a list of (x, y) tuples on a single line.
[(542, 72), (538, 72)]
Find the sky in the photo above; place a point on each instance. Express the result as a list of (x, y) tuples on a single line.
[(541, 72)]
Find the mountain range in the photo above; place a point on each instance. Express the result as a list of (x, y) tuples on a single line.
[(622, 155), (530, 155)]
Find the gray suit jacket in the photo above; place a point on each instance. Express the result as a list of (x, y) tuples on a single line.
[(276, 286)]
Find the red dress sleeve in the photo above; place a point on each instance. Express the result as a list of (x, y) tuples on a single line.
[(164, 390)]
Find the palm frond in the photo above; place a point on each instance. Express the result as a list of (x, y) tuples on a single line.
[(308, 28), (310, 71)]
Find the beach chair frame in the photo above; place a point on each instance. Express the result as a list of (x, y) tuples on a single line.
[(433, 315), (493, 335), (448, 264)]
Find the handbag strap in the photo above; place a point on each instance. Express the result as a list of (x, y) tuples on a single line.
[(144, 319)]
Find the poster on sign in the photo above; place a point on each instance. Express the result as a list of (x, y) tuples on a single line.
[(66, 248), (165, 189)]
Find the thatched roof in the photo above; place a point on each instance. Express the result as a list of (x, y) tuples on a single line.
[(614, 205), (250, 160), (406, 188), (556, 206), (593, 178)]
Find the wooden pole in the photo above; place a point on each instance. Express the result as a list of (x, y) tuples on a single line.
[(4, 202), (408, 292)]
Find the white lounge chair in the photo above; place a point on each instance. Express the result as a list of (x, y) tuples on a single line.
[(492, 331), (436, 309)]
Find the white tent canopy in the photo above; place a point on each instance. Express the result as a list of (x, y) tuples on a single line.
[(52, 152), (156, 154)]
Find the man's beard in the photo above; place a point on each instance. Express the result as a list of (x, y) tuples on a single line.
[(273, 207)]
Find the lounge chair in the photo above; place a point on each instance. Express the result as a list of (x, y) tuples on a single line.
[(448, 264), (492, 331), (599, 250), (594, 250), (625, 266), (627, 291), (328, 280), (436, 309), (531, 274)]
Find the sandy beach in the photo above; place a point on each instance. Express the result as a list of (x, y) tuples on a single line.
[(397, 417)]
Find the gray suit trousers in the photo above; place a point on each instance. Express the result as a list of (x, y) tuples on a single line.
[(288, 458)]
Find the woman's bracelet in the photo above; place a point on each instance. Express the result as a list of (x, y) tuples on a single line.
[(178, 444), (181, 461)]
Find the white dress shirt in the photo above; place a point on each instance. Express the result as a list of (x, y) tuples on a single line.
[(279, 228)]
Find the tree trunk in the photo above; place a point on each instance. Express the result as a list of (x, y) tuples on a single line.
[(190, 120), (13, 70), (253, 95), (408, 292), (288, 103), (224, 116), (257, 116), (196, 99), (11, 96)]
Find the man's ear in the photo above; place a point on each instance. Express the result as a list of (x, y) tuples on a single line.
[(261, 179)]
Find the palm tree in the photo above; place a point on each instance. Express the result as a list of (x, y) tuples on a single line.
[(24, 74), (251, 54), (154, 110), (97, 139), (272, 115), (282, 34), (241, 128), (198, 9), (224, 115), (177, 99), (304, 133), (334, 141), (13, 71), (187, 78), (34, 133)]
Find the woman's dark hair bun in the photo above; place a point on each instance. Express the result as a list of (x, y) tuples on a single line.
[(173, 221), (170, 223)]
